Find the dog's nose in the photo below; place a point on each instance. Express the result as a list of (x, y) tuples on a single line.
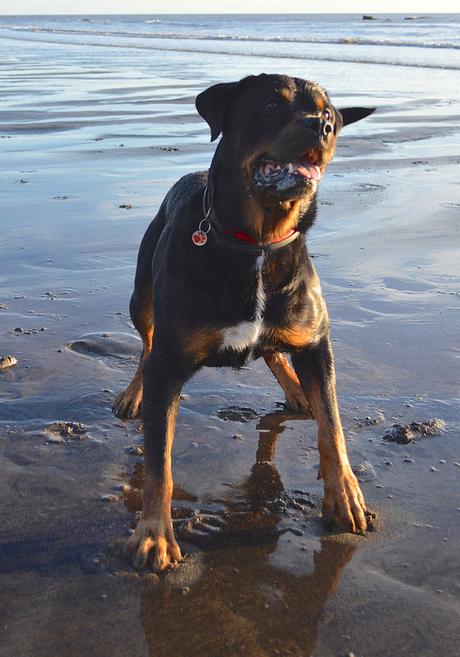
[(326, 129)]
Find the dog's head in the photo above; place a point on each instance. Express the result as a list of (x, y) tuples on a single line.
[(279, 132)]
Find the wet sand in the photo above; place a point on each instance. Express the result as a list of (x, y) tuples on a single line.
[(262, 577)]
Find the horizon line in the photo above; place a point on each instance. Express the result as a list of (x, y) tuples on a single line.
[(234, 13)]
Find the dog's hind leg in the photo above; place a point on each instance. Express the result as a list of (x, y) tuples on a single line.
[(128, 403), (289, 382)]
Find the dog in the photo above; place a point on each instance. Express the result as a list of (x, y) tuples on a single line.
[(224, 276)]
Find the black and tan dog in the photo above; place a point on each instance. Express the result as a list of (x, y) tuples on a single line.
[(223, 276)]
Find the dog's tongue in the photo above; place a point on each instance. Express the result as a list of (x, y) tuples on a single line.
[(306, 170)]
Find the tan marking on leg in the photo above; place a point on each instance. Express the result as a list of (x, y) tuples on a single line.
[(343, 500), (154, 530), (292, 336), (289, 382), (128, 403), (198, 344)]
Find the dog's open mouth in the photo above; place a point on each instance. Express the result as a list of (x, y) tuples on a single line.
[(284, 175)]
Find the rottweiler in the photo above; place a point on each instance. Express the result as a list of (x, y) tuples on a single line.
[(224, 276)]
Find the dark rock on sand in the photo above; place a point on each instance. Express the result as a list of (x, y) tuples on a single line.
[(238, 413), (33, 331), (62, 432), (409, 433)]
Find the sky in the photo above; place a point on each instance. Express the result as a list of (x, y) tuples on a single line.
[(226, 6)]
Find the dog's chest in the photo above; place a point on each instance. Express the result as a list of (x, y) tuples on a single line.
[(246, 333)]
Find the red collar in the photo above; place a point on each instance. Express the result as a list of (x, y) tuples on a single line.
[(246, 242), (244, 237)]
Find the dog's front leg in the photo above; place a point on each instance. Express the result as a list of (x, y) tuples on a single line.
[(343, 500), (163, 380)]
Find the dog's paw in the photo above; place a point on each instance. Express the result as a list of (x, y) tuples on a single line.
[(127, 404), (344, 502), (296, 400), (147, 537)]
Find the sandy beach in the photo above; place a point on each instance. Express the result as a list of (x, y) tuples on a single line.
[(89, 145)]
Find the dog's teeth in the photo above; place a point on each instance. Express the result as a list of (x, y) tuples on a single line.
[(290, 168), (270, 168)]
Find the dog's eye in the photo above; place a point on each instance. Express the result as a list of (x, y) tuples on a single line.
[(272, 105), (326, 114)]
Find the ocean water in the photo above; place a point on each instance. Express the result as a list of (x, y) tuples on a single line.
[(130, 81), (390, 60), (420, 41)]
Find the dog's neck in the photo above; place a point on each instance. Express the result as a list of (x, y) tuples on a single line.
[(238, 209)]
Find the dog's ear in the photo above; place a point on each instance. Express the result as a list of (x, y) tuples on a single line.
[(353, 114), (211, 104)]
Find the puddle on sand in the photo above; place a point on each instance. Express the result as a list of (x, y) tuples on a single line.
[(258, 571)]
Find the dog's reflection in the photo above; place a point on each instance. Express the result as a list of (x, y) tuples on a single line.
[(242, 602)]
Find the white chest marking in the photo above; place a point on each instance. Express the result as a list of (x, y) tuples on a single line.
[(245, 334)]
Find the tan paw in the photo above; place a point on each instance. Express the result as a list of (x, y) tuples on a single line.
[(127, 404), (296, 400), (151, 535), (344, 503)]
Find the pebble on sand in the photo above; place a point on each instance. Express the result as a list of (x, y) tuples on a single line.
[(135, 450), (110, 498), (364, 471), (7, 362)]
